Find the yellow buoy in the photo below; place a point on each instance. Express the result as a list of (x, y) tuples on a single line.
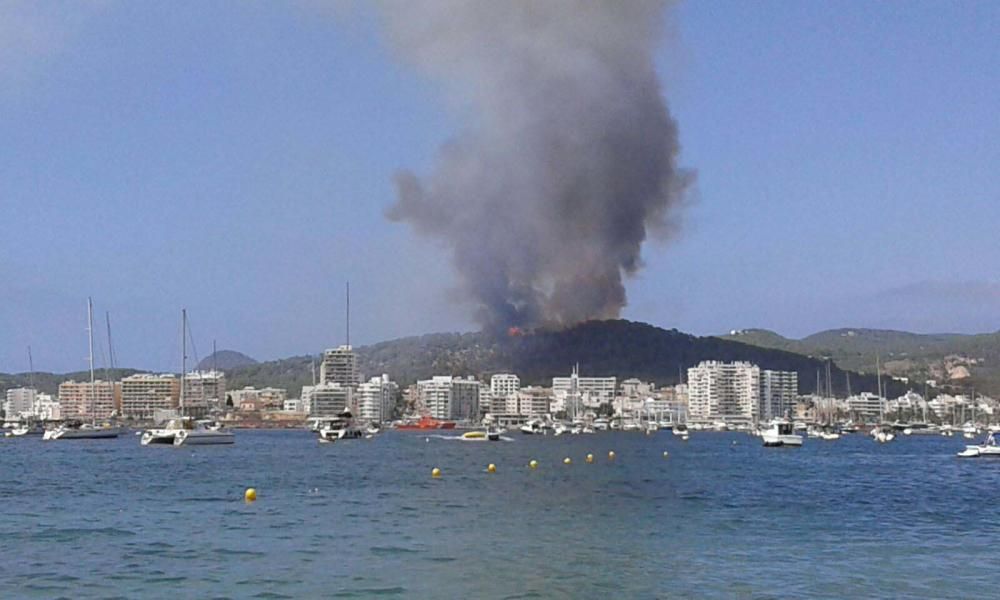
[(435, 472), (590, 458), (611, 455), (492, 468), (250, 495), (567, 461), (533, 464)]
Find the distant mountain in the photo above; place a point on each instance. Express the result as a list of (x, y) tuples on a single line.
[(957, 361), (602, 348), (225, 360)]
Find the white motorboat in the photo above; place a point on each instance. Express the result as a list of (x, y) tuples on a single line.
[(829, 435), (680, 429), (532, 427), (75, 430), (339, 428), (204, 433), (781, 433), (601, 424), (26, 429), (988, 449)]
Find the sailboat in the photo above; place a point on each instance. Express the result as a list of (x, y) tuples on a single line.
[(183, 431), (77, 430)]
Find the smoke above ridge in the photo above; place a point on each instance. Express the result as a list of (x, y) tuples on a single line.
[(568, 159)]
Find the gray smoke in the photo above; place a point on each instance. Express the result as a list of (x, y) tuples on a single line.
[(568, 159)]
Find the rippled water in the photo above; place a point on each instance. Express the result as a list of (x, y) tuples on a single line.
[(721, 517)]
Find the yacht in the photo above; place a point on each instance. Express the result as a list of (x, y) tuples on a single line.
[(680, 429), (204, 433), (532, 427), (781, 433), (339, 428), (601, 424), (78, 430), (883, 434), (988, 448), (26, 428)]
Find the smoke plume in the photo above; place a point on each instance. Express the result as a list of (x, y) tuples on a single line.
[(568, 159)]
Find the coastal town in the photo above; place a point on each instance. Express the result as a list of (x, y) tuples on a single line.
[(717, 395)]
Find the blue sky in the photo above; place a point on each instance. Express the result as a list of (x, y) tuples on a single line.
[(236, 158)]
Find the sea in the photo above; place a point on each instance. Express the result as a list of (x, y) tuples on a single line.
[(718, 516)]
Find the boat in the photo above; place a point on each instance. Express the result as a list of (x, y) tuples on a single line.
[(426, 422), (26, 428), (781, 433), (883, 434), (680, 429), (78, 430), (532, 427), (184, 431), (601, 424), (204, 433), (339, 428), (988, 449), (163, 435)]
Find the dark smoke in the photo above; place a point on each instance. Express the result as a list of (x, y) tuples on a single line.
[(569, 156)]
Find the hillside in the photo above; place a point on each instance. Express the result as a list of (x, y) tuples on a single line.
[(225, 360), (602, 348), (956, 361)]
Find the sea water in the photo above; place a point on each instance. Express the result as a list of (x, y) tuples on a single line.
[(720, 516)]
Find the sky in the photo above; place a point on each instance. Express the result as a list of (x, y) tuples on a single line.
[(237, 159)]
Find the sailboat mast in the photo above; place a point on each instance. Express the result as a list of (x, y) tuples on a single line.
[(111, 348), (90, 342), (183, 355), (31, 369), (348, 314), (878, 370)]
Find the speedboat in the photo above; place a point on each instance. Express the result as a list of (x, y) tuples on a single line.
[(75, 430), (531, 427), (781, 433), (204, 433), (26, 429), (989, 448), (601, 424), (339, 428), (680, 429)]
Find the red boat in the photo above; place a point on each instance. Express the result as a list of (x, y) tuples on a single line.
[(427, 423)]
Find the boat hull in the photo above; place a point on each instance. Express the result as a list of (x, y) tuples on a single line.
[(80, 434), (204, 438)]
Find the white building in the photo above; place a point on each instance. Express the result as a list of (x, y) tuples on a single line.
[(574, 394), (867, 405), (447, 397), (340, 365), (504, 384), (20, 402), (779, 391), (720, 391), (376, 399), (47, 408)]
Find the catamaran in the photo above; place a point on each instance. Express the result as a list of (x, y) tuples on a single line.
[(184, 431)]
